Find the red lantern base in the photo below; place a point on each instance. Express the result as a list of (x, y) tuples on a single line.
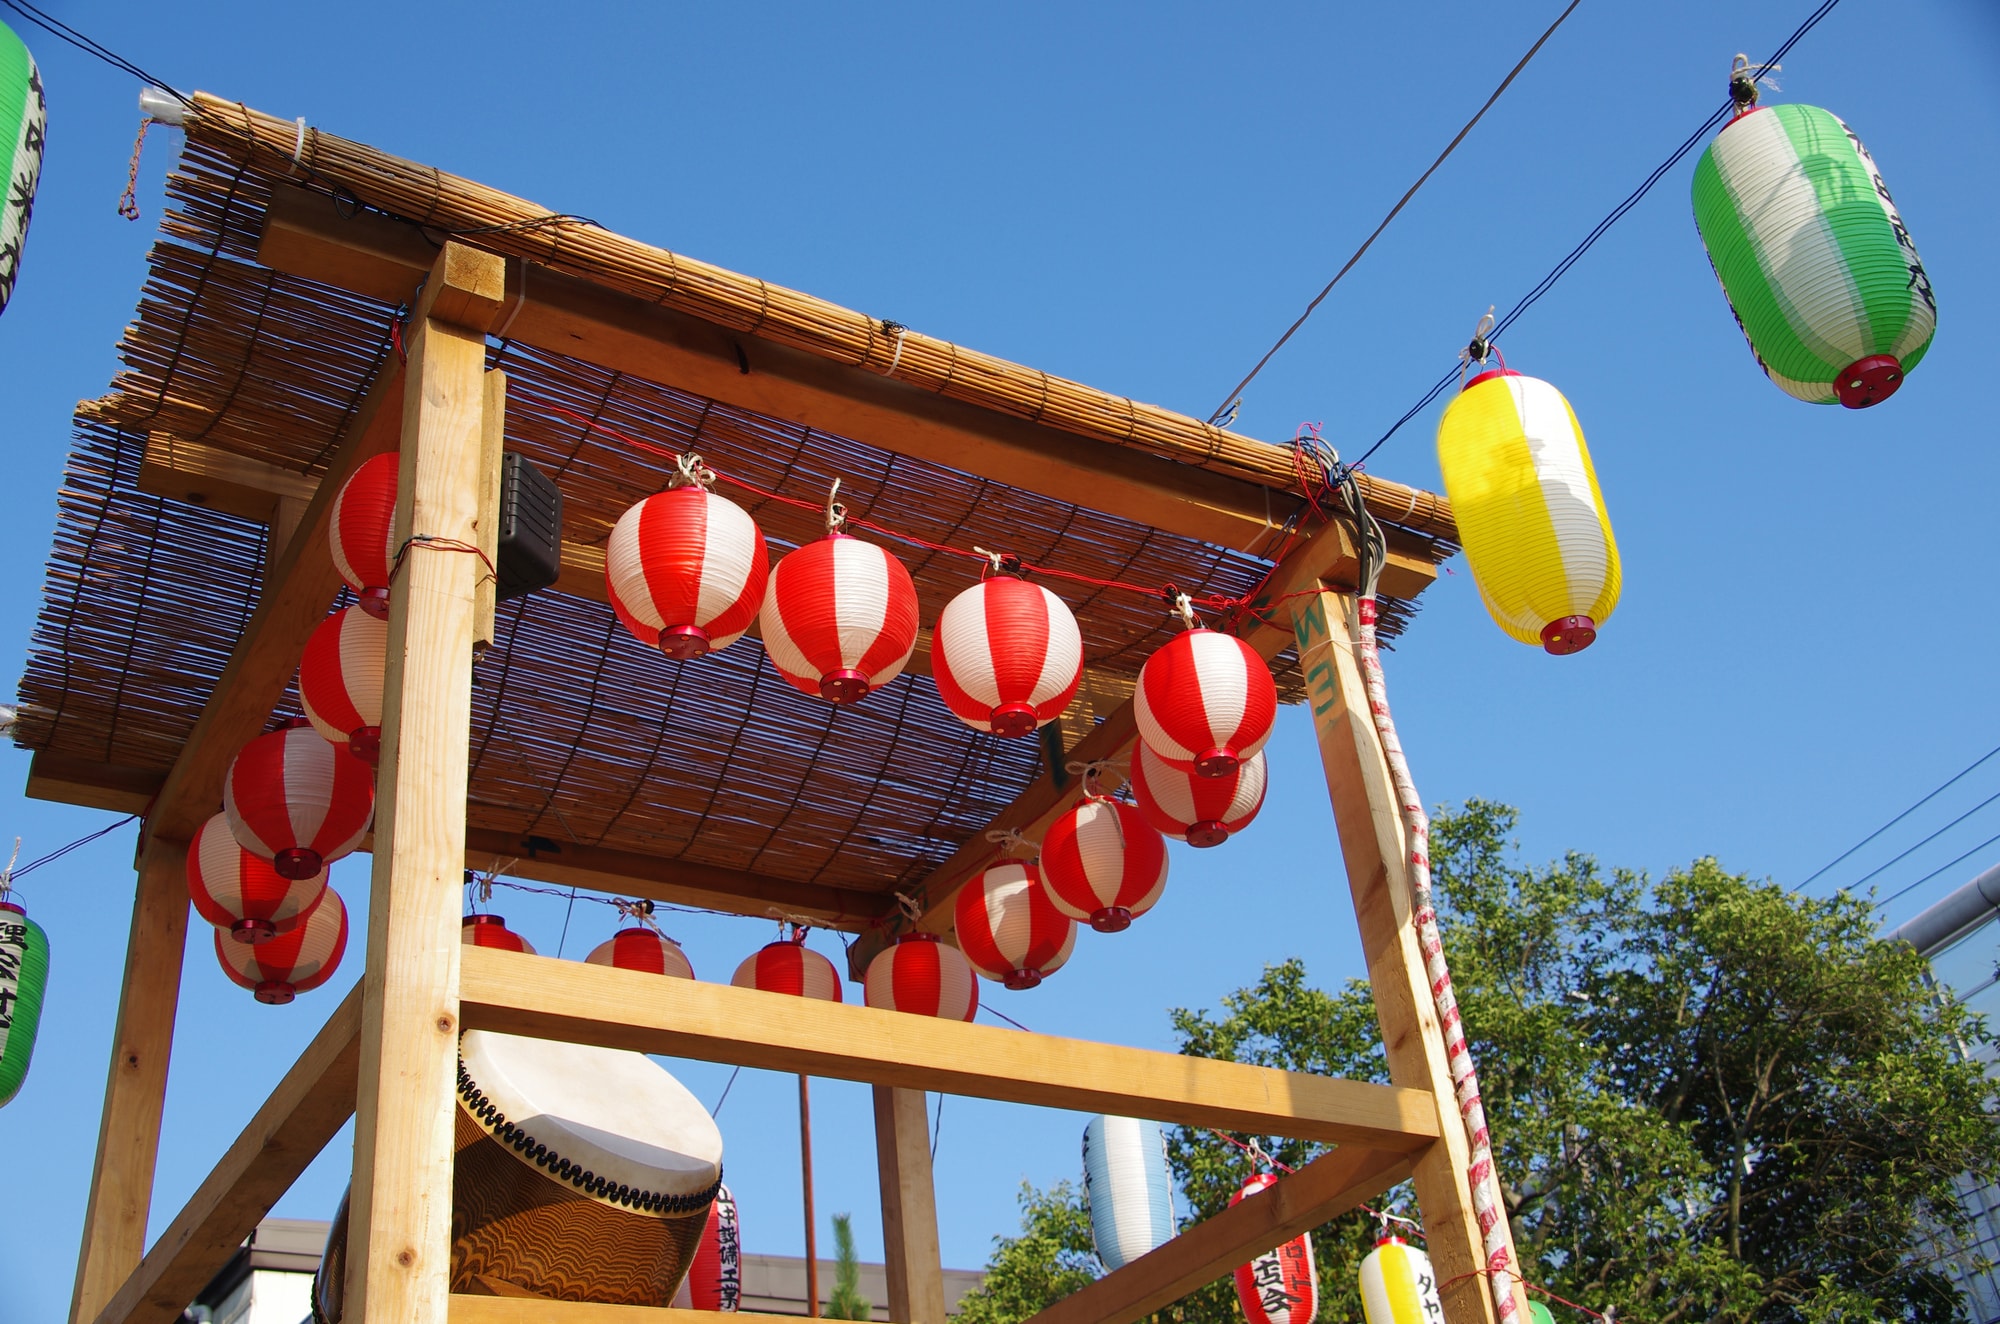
[(297, 862), (843, 686), (684, 643), (1111, 919), (1868, 381), (274, 992), (253, 931), (1569, 634), (366, 745), (1218, 762), (374, 601), (1020, 979), (1208, 832), (1012, 719)]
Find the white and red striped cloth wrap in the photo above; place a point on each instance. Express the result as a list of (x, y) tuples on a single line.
[(789, 966), (840, 617), (1202, 811), (924, 976), (641, 948), (685, 570), (291, 963), (1009, 930), (1007, 656), (1205, 701), (1102, 862), (299, 800), (240, 892)]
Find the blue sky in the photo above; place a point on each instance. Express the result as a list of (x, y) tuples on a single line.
[(1142, 198)]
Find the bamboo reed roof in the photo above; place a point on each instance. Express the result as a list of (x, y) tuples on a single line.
[(580, 733)]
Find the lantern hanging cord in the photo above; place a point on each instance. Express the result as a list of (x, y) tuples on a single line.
[(1009, 842), (14, 875)]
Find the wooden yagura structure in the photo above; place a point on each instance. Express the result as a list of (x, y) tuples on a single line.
[(191, 563)]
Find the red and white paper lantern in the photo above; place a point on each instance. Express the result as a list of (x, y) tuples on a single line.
[(340, 681), (1007, 656), (492, 931), (1202, 811), (1009, 930), (840, 618), (1281, 1286), (686, 571), (298, 800), (362, 530), (715, 1275), (1103, 862), (789, 966), (639, 948), (241, 893), (923, 976), (291, 963), (1206, 702)]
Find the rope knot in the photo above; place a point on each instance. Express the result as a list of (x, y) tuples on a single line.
[(836, 514), (1011, 841), (689, 471)]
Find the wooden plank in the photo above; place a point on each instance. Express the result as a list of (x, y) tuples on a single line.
[(73, 781), (204, 475), (579, 1003), (910, 1256), (128, 1136), (1319, 1192), (492, 445), (302, 1115), (1375, 848), (523, 1310)]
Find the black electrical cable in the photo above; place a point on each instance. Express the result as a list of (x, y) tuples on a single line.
[(1936, 791), (62, 31), (1950, 864), (61, 851)]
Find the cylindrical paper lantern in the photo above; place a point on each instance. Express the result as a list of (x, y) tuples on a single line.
[(291, 963), (1281, 1286), (1007, 656), (1817, 265), (640, 948), (1398, 1285), (492, 931), (1009, 930), (1104, 863), (298, 800), (240, 892), (789, 966), (24, 978), (715, 1279), (1125, 1179), (1202, 811), (340, 681), (840, 618), (923, 976), (362, 529), (24, 121), (686, 571), (1529, 511), (1540, 1314), (1205, 701)]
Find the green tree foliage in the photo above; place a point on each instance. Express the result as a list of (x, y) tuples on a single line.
[(1051, 1258), (847, 1301)]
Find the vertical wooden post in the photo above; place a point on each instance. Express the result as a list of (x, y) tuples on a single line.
[(128, 1139), (1375, 847), (399, 1239), (909, 1207), (806, 1183)]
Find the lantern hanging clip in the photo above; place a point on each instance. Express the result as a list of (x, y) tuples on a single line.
[(999, 563), (1743, 81), (1181, 605), (689, 471), (1481, 348), (836, 513)]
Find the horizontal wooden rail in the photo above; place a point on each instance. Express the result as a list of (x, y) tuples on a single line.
[(304, 1113), (467, 1309), (569, 1000)]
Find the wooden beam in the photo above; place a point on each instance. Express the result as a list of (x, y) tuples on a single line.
[(1375, 848), (1321, 1191), (910, 1255), (204, 475), (535, 1310), (92, 785), (128, 1136), (301, 1117), (579, 1003)]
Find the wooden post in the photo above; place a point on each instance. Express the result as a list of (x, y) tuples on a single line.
[(1375, 846), (909, 1207), (806, 1178), (399, 1239), (128, 1139)]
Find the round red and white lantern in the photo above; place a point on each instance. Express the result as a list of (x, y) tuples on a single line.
[(1281, 1286), (1202, 811), (715, 1276), (923, 976), (298, 800), (1104, 863), (1009, 930), (840, 618), (639, 948), (1007, 656), (789, 966), (362, 530), (340, 681), (240, 892), (291, 963), (686, 571), (1206, 702), (492, 931)]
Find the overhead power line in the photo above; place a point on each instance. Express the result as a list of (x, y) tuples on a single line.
[(55, 27), (1940, 789), (1871, 874), (1949, 864)]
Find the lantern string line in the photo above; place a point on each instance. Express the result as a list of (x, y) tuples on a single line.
[(14, 875), (62, 31)]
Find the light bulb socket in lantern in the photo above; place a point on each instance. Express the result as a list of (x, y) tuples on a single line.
[(298, 862), (253, 931), (274, 992), (684, 643), (843, 686), (1111, 919), (1868, 381), (1208, 832), (1218, 762), (1020, 979), (375, 602), (366, 745), (1012, 719), (1569, 634)]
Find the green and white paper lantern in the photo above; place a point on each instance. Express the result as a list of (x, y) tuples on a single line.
[(24, 120), (24, 974), (1816, 263)]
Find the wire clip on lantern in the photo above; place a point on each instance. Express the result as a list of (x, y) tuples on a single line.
[(1398, 1285), (1528, 507), (789, 966), (1007, 656), (492, 931), (240, 892), (1125, 1181), (1281, 1286), (362, 530), (642, 948), (291, 963), (924, 976), (686, 568), (1202, 811), (1103, 862), (1813, 257), (24, 122), (24, 979), (1205, 701), (298, 800), (840, 614), (340, 681), (1008, 929)]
